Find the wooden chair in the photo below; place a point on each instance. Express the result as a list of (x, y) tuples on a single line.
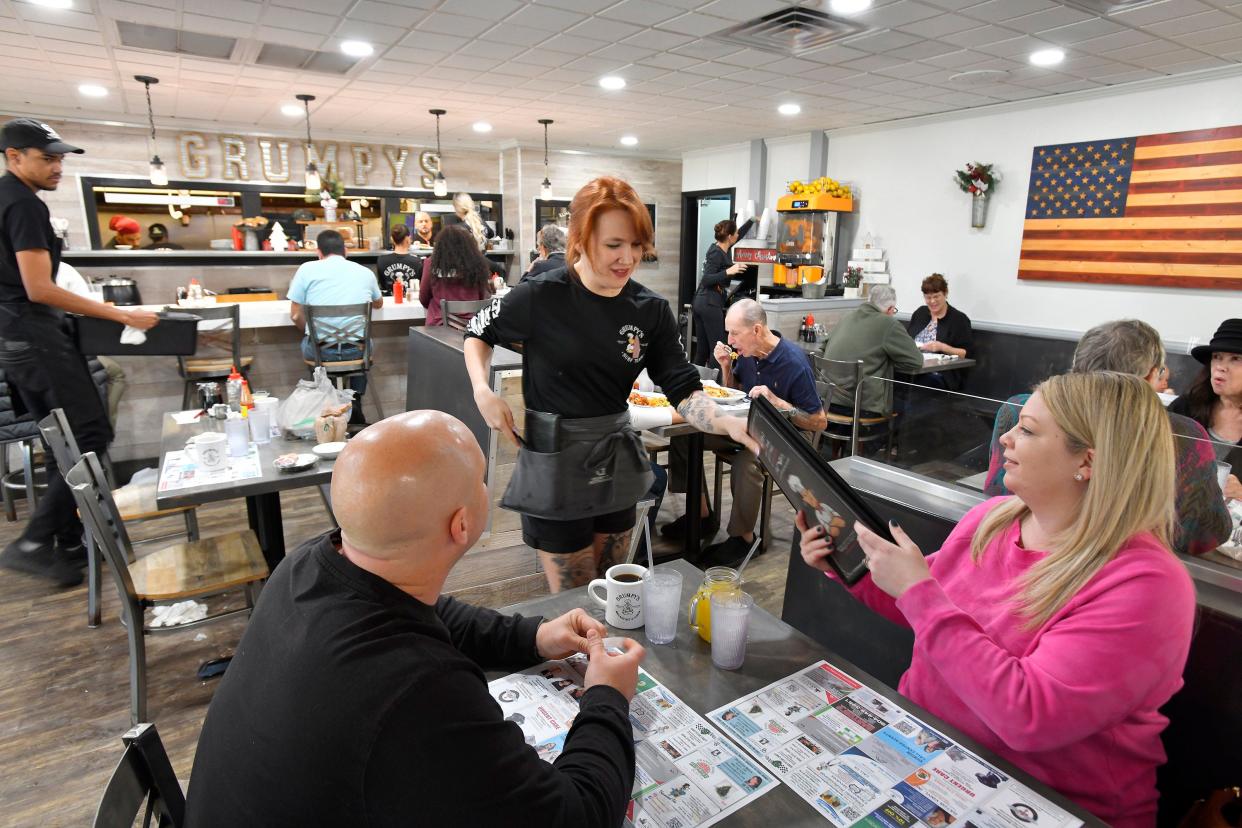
[(183, 571), (144, 775), (845, 377), (59, 438), (334, 326), (457, 314), (219, 333)]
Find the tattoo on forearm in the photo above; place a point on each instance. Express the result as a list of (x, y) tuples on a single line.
[(612, 549), (700, 412)]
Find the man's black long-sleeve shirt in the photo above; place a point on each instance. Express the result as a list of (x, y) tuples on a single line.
[(349, 702)]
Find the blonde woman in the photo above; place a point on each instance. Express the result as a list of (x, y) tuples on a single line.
[(1051, 626), (463, 206)]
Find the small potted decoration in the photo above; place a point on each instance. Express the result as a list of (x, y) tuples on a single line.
[(853, 282), (328, 197), (979, 182)]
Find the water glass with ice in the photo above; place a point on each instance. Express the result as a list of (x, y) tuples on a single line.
[(662, 604), (730, 624)]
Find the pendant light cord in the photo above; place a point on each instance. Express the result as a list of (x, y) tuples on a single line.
[(150, 112), (439, 155), (306, 103)]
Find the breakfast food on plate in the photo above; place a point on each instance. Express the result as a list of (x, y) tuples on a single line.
[(649, 400), (717, 392)]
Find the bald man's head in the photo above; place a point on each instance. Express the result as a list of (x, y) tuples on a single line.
[(397, 485)]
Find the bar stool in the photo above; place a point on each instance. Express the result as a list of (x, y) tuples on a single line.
[(331, 327), (218, 332), (453, 311), (29, 479)]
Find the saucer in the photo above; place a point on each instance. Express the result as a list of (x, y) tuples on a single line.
[(328, 450)]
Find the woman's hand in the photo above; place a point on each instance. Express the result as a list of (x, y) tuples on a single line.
[(496, 412), (817, 542), (935, 347), (1233, 489), (894, 567), (736, 269)]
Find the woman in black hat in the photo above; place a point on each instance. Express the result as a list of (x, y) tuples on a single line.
[(1215, 399)]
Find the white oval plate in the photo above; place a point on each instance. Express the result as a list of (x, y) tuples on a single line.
[(304, 462), (328, 450)]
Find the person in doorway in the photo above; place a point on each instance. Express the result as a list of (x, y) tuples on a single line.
[(158, 234), (334, 280), (587, 331), (709, 300), (551, 245), (456, 272), (37, 352), (1053, 625), (768, 366), (1215, 399), (399, 264), (357, 694), (128, 233)]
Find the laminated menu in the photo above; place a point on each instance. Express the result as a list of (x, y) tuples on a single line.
[(687, 774), (860, 760)]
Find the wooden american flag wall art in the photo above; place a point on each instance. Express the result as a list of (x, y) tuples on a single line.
[(1162, 210)]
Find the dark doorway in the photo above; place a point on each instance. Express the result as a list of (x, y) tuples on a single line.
[(700, 210)]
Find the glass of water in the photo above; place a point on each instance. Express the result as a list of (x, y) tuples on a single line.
[(661, 603), (730, 624)]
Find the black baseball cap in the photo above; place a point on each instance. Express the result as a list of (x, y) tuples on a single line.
[(27, 133)]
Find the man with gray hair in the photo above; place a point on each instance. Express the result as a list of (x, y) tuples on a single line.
[(766, 365), (551, 244), (872, 334)]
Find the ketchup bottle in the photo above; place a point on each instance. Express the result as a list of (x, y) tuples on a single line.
[(810, 328), (398, 290)]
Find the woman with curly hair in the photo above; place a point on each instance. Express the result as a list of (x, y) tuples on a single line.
[(456, 271)]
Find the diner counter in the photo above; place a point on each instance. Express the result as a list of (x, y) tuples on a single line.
[(225, 258), (275, 313)]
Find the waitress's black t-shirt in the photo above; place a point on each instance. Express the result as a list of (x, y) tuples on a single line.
[(581, 351), (25, 224), (391, 265)]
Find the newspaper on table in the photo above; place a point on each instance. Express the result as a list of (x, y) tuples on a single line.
[(861, 760), (687, 774), (181, 472)]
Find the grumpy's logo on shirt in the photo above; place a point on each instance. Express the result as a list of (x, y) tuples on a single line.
[(633, 341)]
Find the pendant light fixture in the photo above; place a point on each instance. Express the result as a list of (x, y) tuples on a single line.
[(312, 172), (545, 188), (158, 175), (441, 186)]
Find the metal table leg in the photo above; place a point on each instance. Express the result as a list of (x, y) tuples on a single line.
[(263, 512), (694, 495)]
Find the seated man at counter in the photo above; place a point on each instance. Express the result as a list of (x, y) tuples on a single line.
[(767, 366), (425, 231), (357, 694), (551, 244), (872, 334), (334, 280)]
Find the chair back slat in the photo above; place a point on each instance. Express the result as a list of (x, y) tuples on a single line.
[(219, 330), (333, 325), (457, 313), (98, 510), (59, 438), (844, 377), (144, 775)]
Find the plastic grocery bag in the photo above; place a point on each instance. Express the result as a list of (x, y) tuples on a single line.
[(297, 413), (138, 495)]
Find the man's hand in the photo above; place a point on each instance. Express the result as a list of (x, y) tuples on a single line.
[(894, 567), (496, 412), (567, 634), (143, 320), (736, 429), (765, 392), (620, 672), (723, 354)]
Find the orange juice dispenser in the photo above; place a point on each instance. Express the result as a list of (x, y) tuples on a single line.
[(807, 234)]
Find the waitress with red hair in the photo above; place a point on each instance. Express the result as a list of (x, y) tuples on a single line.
[(587, 330), (128, 233)]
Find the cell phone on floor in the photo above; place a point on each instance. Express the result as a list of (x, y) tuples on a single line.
[(213, 668)]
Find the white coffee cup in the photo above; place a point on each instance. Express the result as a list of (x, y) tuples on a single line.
[(210, 451), (623, 585)]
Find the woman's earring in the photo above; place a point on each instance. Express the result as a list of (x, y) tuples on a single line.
[(1078, 477)]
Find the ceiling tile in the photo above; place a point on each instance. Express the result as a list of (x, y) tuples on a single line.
[(941, 24), (1118, 40), (289, 37), (1047, 19), (388, 13), (880, 41), (214, 25), (1078, 32), (433, 41), (996, 11), (584, 6), (896, 14), (1158, 12), (1193, 23), (486, 9), (453, 24), (698, 25), (545, 57), (921, 50), (1216, 34), (297, 19), (548, 19), (872, 63), (706, 50), (978, 36), (740, 10), (665, 60), (642, 12), (517, 35), (363, 30)]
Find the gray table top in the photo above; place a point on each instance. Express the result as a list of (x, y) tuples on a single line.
[(775, 650), (175, 436)]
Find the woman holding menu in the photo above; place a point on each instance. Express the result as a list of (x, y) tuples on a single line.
[(1053, 625), (587, 330)]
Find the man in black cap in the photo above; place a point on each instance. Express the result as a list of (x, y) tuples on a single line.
[(159, 239), (37, 353)]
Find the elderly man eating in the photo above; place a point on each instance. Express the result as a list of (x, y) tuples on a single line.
[(357, 694)]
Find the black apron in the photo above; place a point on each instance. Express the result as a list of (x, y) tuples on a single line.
[(599, 467)]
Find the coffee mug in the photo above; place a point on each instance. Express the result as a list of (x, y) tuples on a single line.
[(623, 605), (209, 451)]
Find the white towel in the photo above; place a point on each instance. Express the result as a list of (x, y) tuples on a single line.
[(182, 612), (133, 336)]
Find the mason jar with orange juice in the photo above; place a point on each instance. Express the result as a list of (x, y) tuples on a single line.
[(715, 579)]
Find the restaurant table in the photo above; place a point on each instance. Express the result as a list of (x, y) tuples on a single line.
[(262, 493), (775, 651), (936, 366)]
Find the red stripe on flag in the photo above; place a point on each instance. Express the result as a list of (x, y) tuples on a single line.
[(1207, 257), (1218, 234), (1150, 279), (1171, 162), (1186, 186), (1234, 209), (1218, 134)]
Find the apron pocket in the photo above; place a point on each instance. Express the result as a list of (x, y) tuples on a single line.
[(583, 479)]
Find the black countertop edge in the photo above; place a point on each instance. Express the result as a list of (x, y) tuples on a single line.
[(217, 258)]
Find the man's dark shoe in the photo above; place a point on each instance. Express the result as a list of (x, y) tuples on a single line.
[(676, 528), (729, 552), (41, 560)]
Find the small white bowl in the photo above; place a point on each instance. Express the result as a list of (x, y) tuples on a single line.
[(328, 450)]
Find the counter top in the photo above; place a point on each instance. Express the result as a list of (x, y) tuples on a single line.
[(275, 314), (789, 304), (226, 258)]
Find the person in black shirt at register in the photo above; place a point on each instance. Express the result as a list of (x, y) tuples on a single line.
[(37, 353), (400, 263), (587, 331), (357, 694)]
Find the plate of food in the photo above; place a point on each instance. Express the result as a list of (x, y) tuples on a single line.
[(294, 462), (723, 393), (649, 399)]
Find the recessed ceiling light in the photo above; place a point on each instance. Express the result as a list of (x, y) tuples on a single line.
[(1047, 57), (612, 82), (292, 110), (53, 4), (482, 126), (849, 6), (357, 48), (92, 90), (629, 140), (789, 109)]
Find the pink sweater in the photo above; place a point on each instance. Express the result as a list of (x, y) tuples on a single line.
[(1075, 702)]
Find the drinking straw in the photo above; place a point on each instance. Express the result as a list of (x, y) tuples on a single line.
[(749, 555)]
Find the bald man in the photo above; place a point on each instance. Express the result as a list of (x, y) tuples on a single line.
[(425, 232), (357, 694)]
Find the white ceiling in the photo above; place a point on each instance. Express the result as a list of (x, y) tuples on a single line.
[(511, 63)]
